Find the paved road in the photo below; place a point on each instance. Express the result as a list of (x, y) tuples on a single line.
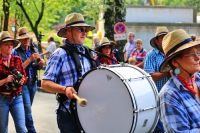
[(43, 111)]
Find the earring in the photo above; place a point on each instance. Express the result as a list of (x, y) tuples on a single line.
[(177, 71)]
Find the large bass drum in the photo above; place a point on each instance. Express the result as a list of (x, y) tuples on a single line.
[(121, 99)]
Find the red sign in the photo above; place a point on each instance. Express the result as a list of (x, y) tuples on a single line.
[(120, 28)]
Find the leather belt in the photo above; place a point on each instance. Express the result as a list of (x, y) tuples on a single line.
[(31, 79)]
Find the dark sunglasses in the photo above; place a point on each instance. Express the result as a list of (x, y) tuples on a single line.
[(81, 29)]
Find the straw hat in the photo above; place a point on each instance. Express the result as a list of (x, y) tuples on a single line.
[(73, 20), (5, 36), (23, 33), (104, 42), (173, 43), (159, 31)]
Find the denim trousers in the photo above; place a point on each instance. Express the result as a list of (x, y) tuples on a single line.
[(28, 93), (66, 122), (15, 107)]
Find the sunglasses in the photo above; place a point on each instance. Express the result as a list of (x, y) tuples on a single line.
[(81, 29)]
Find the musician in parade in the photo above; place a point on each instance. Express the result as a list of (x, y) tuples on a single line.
[(10, 91), (105, 48), (180, 96), (66, 65), (152, 62), (31, 63)]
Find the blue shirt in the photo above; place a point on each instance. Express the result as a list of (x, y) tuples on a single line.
[(61, 68), (153, 60), (180, 109)]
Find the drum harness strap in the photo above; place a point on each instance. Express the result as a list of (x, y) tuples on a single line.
[(75, 57)]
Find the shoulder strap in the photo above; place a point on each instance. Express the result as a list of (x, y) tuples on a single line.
[(75, 57), (88, 52)]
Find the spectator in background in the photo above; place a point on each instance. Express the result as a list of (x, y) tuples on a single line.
[(106, 48), (116, 51), (193, 36), (139, 53), (49, 49), (129, 46), (95, 44), (132, 61), (153, 60)]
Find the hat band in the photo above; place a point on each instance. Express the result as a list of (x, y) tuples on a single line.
[(5, 38), (177, 46), (161, 33), (23, 34), (105, 43), (77, 22)]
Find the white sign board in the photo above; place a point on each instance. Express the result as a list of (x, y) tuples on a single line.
[(118, 37), (161, 14)]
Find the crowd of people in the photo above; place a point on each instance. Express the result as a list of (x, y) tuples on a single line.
[(173, 64)]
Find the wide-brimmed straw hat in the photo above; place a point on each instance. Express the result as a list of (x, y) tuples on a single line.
[(73, 20), (23, 33), (159, 31), (104, 42), (5, 36), (173, 43)]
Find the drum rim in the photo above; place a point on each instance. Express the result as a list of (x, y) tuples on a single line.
[(155, 92)]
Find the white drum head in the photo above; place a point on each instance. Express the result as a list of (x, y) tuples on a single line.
[(110, 106)]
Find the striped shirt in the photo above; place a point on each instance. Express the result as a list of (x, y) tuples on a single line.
[(61, 68), (153, 60), (139, 56), (180, 109)]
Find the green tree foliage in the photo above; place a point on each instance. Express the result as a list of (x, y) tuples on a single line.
[(115, 13)]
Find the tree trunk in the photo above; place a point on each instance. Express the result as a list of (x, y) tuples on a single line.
[(6, 6), (33, 27)]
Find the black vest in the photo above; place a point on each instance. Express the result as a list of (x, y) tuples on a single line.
[(34, 64)]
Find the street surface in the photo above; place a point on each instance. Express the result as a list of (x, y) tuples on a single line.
[(43, 111)]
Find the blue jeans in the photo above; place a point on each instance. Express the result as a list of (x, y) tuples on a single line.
[(28, 93), (66, 123), (159, 127), (15, 107)]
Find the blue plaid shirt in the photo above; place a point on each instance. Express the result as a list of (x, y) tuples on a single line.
[(61, 68), (180, 109), (153, 60)]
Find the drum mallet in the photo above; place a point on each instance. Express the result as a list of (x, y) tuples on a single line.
[(81, 101)]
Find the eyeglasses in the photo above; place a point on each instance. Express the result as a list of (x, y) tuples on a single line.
[(81, 29), (193, 55)]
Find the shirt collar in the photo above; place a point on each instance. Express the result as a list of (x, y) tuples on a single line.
[(25, 49), (158, 51)]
